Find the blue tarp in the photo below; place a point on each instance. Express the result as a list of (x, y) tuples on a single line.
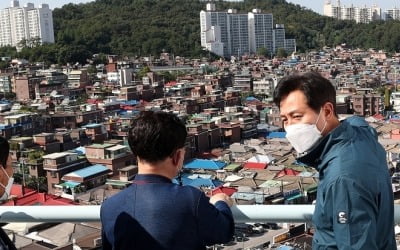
[(199, 182)]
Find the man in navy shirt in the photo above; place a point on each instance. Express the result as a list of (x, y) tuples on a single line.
[(154, 213)]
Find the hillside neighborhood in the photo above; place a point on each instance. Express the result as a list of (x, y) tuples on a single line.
[(68, 125)]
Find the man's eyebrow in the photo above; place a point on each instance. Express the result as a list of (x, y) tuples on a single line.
[(291, 112)]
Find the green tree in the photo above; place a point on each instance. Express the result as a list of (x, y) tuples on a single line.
[(9, 95), (35, 155), (4, 64), (39, 184), (92, 69), (262, 52), (167, 76), (281, 53), (143, 71)]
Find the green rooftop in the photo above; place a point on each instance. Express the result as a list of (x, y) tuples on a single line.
[(232, 167)]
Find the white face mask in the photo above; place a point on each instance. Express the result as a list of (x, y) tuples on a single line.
[(7, 189), (303, 136)]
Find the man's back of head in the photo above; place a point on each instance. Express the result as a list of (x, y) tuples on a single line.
[(156, 135)]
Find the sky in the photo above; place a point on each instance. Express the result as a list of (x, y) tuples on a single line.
[(316, 5), (52, 3)]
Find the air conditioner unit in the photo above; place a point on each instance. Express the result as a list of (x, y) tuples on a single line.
[(97, 242)]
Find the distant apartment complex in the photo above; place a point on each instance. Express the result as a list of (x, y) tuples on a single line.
[(232, 34), (26, 23), (359, 14)]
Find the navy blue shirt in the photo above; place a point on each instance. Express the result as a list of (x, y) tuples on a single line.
[(154, 213)]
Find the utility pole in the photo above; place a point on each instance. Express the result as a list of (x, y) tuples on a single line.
[(22, 166)]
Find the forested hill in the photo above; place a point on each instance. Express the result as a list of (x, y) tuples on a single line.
[(144, 27)]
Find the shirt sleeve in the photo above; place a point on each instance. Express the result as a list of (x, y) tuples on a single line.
[(353, 213), (106, 245), (215, 223)]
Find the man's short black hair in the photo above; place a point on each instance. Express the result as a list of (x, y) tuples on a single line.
[(4, 151), (154, 136), (317, 89)]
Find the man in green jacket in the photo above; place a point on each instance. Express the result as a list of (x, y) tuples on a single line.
[(354, 206)]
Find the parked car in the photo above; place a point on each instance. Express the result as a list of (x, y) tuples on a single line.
[(270, 225)]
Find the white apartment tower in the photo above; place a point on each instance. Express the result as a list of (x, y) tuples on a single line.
[(238, 33), (18, 23), (279, 37), (232, 34), (392, 14), (214, 30), (358, 14), (261, 31)]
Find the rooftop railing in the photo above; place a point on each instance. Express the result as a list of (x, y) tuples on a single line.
[(241, 213)]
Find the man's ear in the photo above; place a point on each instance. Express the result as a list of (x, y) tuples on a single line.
[(329, 110), (175, 157)]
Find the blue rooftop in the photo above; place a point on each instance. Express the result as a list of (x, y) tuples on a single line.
[(271, 135), (80, 150), (131, 102), (251, 98), (205, 164), (89, 171), (71, 184)]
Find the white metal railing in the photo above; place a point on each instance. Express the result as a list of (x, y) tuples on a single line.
[(241, 213)]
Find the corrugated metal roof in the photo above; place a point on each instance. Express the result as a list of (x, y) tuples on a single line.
[(57, 155), (70, 184), (88, 171)]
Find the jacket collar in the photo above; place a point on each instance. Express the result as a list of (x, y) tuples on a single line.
[(152, 178)]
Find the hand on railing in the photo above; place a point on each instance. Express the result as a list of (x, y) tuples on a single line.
[(221, 197)]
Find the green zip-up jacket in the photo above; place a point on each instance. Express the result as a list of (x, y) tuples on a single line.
[(354, 205)]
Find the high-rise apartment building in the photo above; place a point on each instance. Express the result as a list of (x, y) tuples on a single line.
[(392, 14), (261, 30), (238, 31), (214, 31), (26, 23), (358, 14), (232, 34)]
